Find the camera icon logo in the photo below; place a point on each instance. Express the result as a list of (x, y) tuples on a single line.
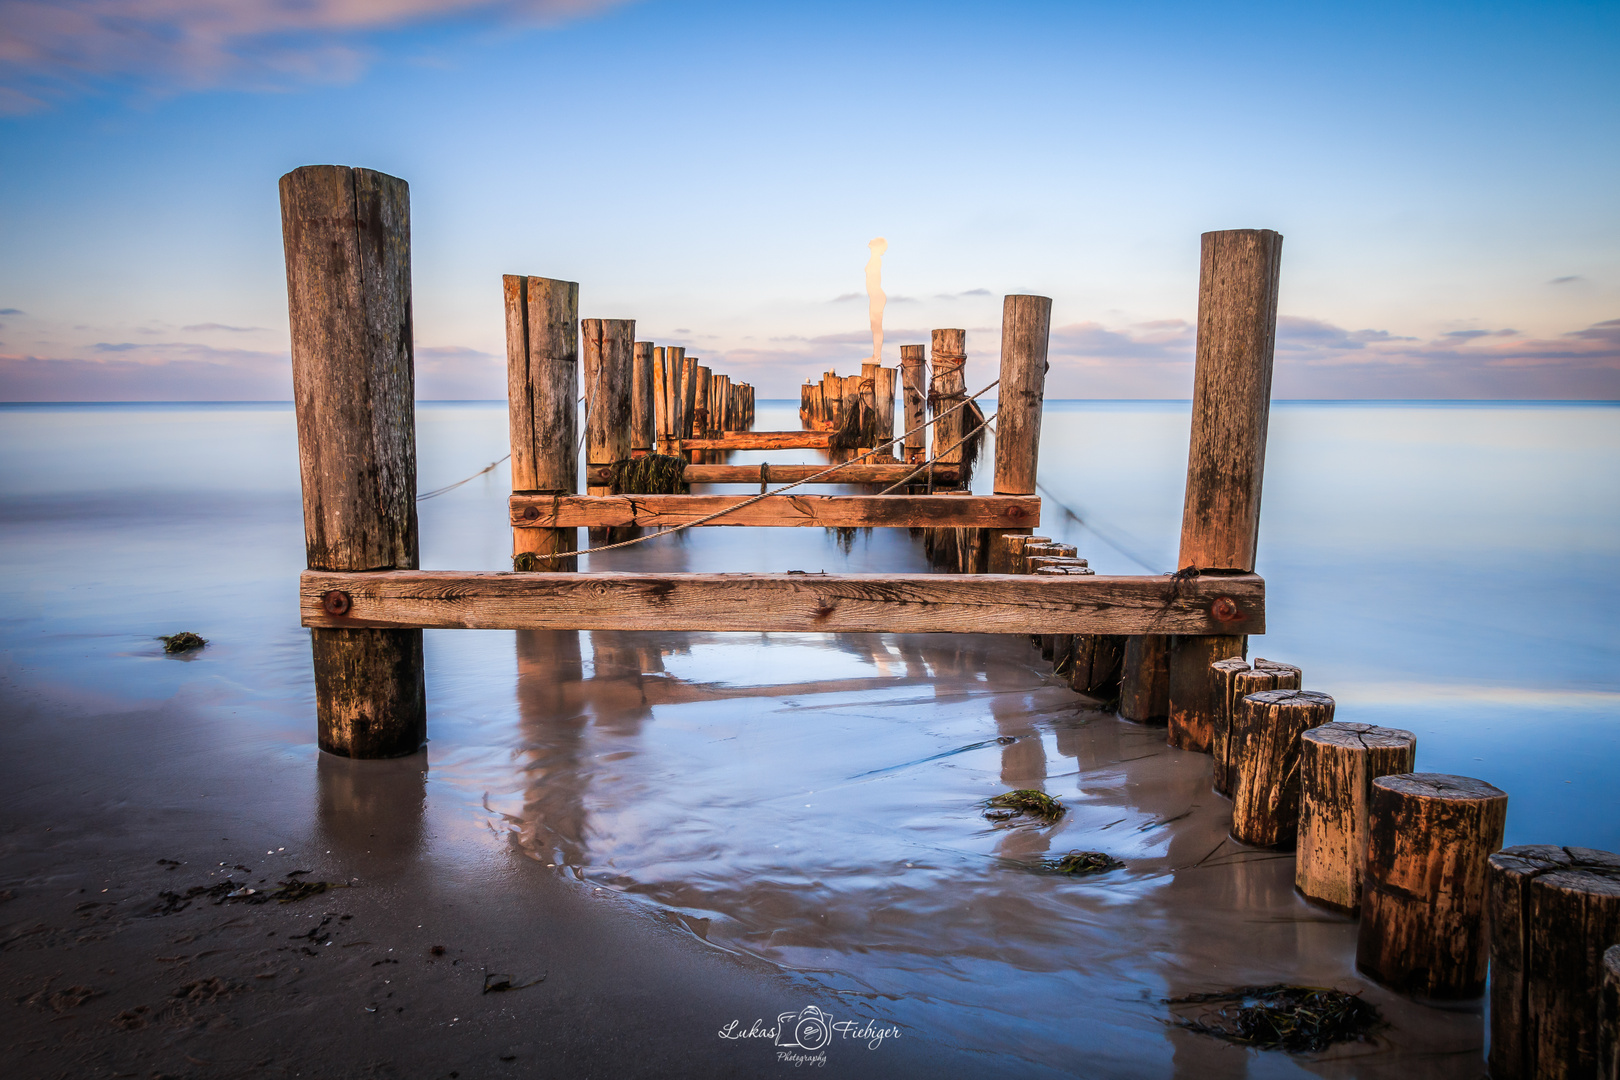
[(807, 1029)]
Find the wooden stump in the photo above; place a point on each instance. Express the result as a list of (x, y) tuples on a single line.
[(1553, 912), (1144, 681), (1337, 765), (1096, 665), (1222, 692), (1243, 682), (1429, 841), (1266, 730), (1192, 700), (1609, 1017)]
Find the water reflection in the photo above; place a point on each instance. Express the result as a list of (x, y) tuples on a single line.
[(371, 808)]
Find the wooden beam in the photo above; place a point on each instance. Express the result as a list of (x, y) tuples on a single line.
[(785, 603), (823, 511), (763, 440), (859, 472)]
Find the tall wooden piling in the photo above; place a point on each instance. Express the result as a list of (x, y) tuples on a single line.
[(641, 400), (689, 385), (1553, 911), (948, 388), (608, 356), (883, 382), (542, 389), (914, 391), (347, 237), (1238, 275), (1429, 839)]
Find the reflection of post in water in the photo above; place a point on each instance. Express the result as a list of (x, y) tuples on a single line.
[(549, 706), (1023, 765), (615, 696), (371, 807)]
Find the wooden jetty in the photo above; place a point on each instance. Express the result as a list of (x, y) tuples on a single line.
[(1413, 850)]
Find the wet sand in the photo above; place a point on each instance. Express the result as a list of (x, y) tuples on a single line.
[(663, 918)]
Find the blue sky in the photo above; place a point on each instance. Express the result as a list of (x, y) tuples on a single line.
[(1447, 179)]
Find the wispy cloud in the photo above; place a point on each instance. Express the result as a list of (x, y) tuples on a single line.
[(1567, 279), (207, 326), (11, 311), (50, 49), (1318, 359)]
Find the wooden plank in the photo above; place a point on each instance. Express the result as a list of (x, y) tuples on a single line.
[(763, 440), (822, 511), (785, 603), (858, 472)]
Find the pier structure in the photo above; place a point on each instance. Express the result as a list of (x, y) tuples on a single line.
[(1419, 853)]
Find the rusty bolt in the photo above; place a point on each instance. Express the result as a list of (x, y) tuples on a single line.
[(1225, 609), (335, 602), (530, 513)]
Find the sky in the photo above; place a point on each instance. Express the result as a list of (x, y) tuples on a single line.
[(1446, 177)]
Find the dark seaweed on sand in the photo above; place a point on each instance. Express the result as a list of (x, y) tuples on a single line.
[(1025, 801), (181, 642), (1081, 863), (1282, 1017), (230, 892)]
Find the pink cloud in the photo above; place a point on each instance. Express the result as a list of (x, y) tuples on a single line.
[(52, 48)]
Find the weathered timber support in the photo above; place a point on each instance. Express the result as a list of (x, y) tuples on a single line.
[(689, 387), (1144, 680), (1609, 1017), (772, 603), (347, 236), (1266, 730), (607, 355), (914, 391), (1026, 323), (662, 424), (641, 400), (542, 389), (1192, 702), (818, 511), (1553, 912), (883, 381), (947, 389), (1429, 840), (1236, 681), (1238, 277), (1098, 659), (1337, 764)]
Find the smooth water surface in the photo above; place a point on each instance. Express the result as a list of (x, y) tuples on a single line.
[(815, 800)]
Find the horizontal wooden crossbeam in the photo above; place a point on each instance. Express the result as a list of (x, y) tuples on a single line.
[(762, 440), (829, 511), (813, 603), (854, 472)]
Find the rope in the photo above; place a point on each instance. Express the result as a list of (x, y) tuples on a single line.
[(451, 487), (764, 495)]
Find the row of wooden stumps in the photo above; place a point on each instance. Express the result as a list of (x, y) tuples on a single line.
[(677, 398)]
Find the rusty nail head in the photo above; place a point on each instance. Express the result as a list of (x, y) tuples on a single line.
[(530, 513), (335, 602), (1225, 609)]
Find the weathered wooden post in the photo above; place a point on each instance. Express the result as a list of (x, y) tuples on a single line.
[(1266, 729), (914, 389), (542, 391), (1429, 839), (883, 391), (689, 386), (1237, 680), (1026, 323), (608, 356), (1337, 764), (1609, 1017), (1238, 276), (947, 389), (641, 400), (347, 236), (1553, 911), (1144, 681)]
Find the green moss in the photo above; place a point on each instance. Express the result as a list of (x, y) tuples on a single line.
[(1081, 863), (1027, 802), (181, 642), (650, 474)]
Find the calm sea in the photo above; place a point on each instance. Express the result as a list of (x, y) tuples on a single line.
[(1446, 568)]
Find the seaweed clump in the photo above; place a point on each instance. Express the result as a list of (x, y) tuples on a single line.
[(1025, 801), (181, 642), (650, 474), (1283, 1017), (1081, 863)]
